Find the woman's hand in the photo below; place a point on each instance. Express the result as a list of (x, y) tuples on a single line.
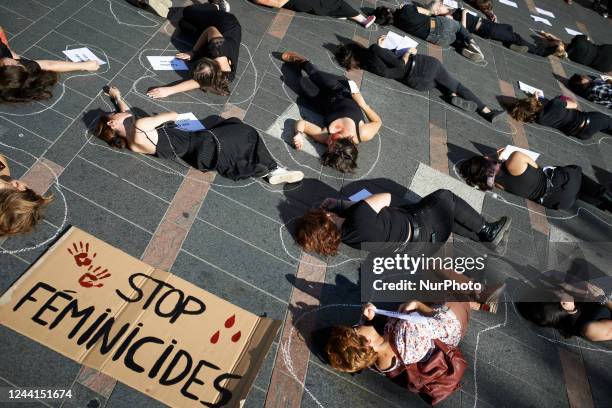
[(381, 40), (329, 203), (368, 311), (91, 65), (298, 140), (114, 92), (186, 56), (157, 93), (408, 307)]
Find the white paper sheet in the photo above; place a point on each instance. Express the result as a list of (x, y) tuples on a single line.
[(541, 20), (511, 149), (572, 32), (473, 13), (400, 44), (509, 3), (188, 122), (360, 195), (167, 63), (528, 89), (82, 54), (353, 86), (413, 317), (545, 12), (451, 4), (606, 77)]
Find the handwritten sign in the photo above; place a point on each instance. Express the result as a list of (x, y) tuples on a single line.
[(545, 12), (530, 90), (167, 63), (145, 327), (189, 123), (509, 3), (400, 44), (451, 3), (82, 55), (572, 32), (539, 19)]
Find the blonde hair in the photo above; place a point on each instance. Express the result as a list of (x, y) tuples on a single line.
[(20, 211)]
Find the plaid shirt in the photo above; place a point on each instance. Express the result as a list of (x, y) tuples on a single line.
[(601, 92)]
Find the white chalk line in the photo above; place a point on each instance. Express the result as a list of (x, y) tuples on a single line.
[(140, 12)]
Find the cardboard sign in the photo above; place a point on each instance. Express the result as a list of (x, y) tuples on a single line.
[(147, 328)]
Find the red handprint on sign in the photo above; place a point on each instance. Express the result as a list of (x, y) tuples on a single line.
[(81, 254), (89, 278)]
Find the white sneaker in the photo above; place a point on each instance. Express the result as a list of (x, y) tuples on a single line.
[(161, 7), (282, 175)]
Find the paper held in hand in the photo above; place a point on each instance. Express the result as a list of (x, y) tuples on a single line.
[(360, 195), (541, 20), (451, 3), (572, 32), (511, 149), (530, 90), (399, 44), (545, 12), (82, 55), (189, 123), (167, 63), (353, 86), (509, 3)]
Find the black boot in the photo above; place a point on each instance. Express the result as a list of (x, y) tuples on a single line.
[(494, 232)]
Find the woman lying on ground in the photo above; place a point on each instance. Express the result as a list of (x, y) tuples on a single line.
[(485, 28), (580, 50), (332, 8), (214, 56), (344, 122), (437, 30), (554, 187), (597, 90), (231, 148), (24, 80), (420, 72), (20, 207), (558, 309), (374, 220), (562, 114)]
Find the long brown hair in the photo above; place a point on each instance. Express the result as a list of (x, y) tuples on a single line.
[(20, 211), (527, 109), (209, 76), (21, 83), (106, 133), (341, 155), (317, 232)]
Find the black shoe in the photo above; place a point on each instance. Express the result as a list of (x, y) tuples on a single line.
[(494, 232), (494, 116)]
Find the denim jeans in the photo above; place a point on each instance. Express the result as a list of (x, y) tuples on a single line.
[(447, 31)]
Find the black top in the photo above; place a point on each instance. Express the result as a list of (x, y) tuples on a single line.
[(29, 65), (221, 47), (384, 62), (583, 51), (409, 19), (5, 52), (531, 184), (363, 224), (342, 106), (589, 312), (555, 114)]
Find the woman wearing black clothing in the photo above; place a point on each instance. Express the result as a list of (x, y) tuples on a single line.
[(231, 148), (215, 53), (554, 187), (437, 30), (562, 114), (488, 29), (374, 220), (343, 115), (332, 8), (420, 72), (580, 50)]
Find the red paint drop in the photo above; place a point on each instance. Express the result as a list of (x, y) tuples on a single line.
[(236, 337), (215, 337), (230, 321)]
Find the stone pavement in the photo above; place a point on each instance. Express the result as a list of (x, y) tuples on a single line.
[(232, 238)]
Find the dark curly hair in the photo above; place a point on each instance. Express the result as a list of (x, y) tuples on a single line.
[(480, 171), (25, 83), (341, 155), (384, 15), (317, 232), (351, 56), (106, 133), (207, 73), (348, 351), (579, 84)]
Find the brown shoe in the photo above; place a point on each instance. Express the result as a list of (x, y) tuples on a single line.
[(293, 58)]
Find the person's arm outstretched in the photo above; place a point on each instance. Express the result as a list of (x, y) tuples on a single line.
[(151, 122), (164, 91), (115, 94), (304, 127), (368, 130), (67, 66)]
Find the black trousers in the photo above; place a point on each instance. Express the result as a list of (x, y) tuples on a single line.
[(332, 8), (428, 72), (591, 191), (569, 184), (598, 122), (441, 213), (202, 16)]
